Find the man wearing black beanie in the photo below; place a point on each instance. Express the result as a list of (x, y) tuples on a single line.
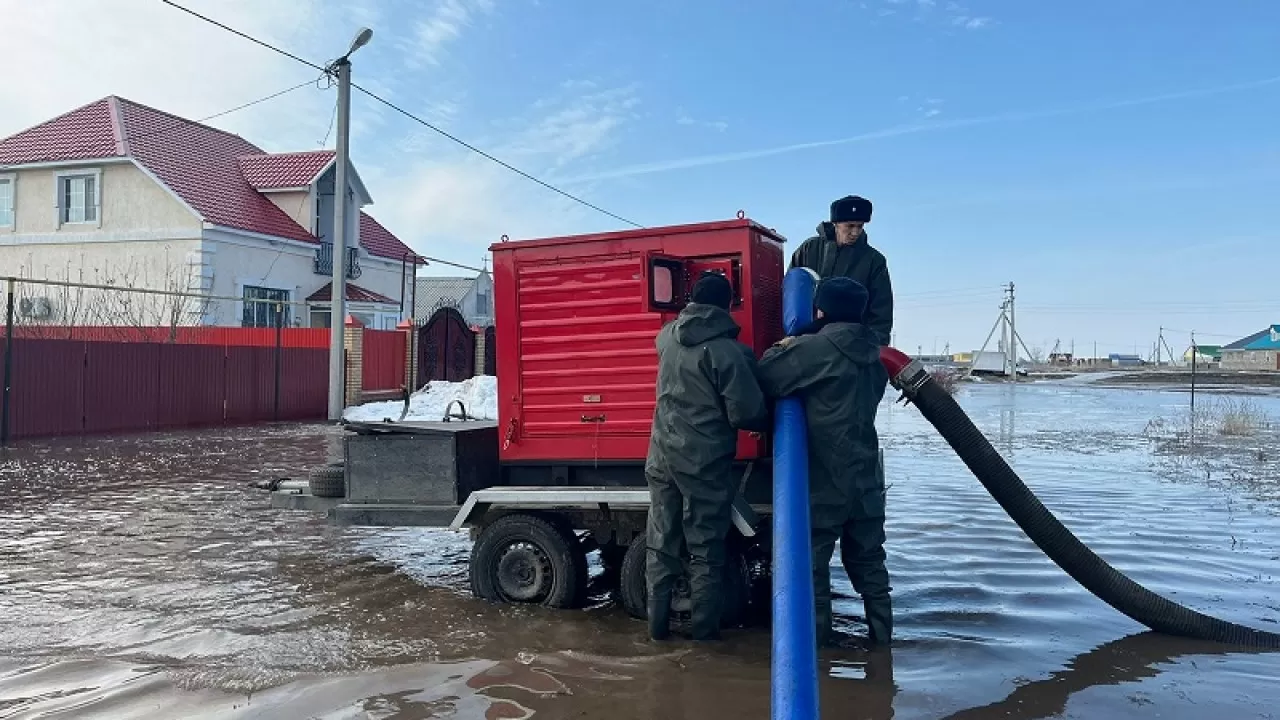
[(841, 249), (707, 392), (835, 370)]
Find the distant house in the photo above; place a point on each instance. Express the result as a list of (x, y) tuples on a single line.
[(1259, 351), (118, 193), (1120, 360), (471, 296), (1203, 354)]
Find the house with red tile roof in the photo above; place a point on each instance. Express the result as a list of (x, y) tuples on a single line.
[(118, 193)]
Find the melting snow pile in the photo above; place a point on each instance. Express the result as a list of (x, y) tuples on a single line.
[(479, 395)]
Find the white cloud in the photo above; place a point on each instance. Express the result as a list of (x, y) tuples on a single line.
[(683, 118), (919, 127), (453, 204), (953, 12), (153, 54), (439, 198), (442, 25), (971, 23)]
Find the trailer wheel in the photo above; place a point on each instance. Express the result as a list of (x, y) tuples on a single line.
[(524, 558), (633, 590), (329, 481)]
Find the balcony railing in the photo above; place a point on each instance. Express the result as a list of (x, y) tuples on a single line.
[(324, 261)]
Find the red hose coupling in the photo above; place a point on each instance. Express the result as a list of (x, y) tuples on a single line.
[(905, 373), (894, 360)]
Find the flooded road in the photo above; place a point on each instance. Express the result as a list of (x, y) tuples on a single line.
[(142, 578)]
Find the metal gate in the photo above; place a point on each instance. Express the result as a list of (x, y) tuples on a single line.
[(490, 351), (446, 348)]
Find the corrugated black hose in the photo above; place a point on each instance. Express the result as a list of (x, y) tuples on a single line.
[(1046, 531)]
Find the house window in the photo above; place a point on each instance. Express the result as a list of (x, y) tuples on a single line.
[(6, 201), (78, 200), (482, 300), (262, 306)]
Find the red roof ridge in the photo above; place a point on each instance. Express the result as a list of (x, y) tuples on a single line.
[(186, 121), (287, 154), (117, 125)]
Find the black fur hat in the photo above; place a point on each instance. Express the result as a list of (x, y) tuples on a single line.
[(851, 208)]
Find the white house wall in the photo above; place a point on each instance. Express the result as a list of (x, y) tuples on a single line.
[(144, 238), (130, 201), (297, 205), (238, 261), (167, 265)]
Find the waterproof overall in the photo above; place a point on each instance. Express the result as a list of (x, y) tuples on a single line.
[(836, 372), (706, 392)]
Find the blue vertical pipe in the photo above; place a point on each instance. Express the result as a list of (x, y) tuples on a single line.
[(795, 651)]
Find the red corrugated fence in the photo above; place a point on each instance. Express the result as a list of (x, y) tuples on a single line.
[(195, 335), (382, 359), (74, 387)]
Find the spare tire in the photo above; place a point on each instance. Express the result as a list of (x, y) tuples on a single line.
[(329, 481)]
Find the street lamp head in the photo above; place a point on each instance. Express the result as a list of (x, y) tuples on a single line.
[(362, 39)]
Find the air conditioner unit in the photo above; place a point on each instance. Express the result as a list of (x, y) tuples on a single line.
[(36, 308)]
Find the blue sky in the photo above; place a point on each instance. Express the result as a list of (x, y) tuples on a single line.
[(1118, 161)]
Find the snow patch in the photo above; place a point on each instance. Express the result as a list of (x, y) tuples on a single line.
[(479, 395)]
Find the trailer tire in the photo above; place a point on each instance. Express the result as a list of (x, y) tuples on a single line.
[(633, 590), (329, 481), (524, 558)]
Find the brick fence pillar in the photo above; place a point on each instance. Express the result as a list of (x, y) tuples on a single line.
[(353, 341), (410, 329), (479, 363)]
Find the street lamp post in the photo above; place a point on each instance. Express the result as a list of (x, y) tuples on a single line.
[(338, 292)]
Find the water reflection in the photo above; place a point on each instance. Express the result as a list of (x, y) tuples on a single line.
[(1129, 659), (863, 686)]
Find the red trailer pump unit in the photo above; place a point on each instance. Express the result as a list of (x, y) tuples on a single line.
[(576, 319)]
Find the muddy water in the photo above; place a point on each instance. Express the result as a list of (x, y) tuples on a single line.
[(141, 578)]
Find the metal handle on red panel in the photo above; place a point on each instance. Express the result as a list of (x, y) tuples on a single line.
[(592, 418)]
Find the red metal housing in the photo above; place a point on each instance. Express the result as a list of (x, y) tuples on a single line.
[(576, 320)]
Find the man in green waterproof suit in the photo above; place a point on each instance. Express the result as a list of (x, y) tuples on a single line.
[(706, 392), (834, 368)]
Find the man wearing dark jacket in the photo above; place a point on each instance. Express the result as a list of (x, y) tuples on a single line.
[(840, 249), (834, 368), (707, 392)]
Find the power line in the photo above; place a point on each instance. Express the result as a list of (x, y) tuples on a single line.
[(487, 156), (954, 291), (413, 117), (246, 36), (438, 261)]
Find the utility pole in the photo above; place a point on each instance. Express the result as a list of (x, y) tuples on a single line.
[(1159, 350), (1193, 384), (338, 290), (1013, 340)]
